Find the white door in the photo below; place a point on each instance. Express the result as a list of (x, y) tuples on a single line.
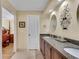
[(33, 32)]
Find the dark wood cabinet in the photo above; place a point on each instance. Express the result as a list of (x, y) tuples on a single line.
[(52, 53), (48, 49), (49, 52), (42, 46), (57, 55)]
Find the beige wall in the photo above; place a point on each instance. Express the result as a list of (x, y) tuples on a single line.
[(73, 30), (22, 32), (45, 23)]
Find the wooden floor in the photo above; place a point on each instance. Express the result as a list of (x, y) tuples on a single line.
[(27, 54), (7, 51)]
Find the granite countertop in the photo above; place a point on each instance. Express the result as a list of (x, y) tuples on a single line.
[(60, 46)]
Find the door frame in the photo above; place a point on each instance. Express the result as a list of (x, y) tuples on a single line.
[(15, 33)]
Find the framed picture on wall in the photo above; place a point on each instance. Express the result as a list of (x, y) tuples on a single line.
[(22, 24)]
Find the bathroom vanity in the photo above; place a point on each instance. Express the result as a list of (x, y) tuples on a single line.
[(53, 49)]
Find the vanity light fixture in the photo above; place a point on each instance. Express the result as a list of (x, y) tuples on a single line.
[(51, 10), (53, 13)]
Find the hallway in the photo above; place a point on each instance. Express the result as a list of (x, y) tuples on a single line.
[(27, 54), (39, 29)]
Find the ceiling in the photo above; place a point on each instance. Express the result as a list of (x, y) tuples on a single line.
[(30, 5)]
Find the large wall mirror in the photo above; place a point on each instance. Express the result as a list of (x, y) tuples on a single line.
[(78, 14), (53, 23)]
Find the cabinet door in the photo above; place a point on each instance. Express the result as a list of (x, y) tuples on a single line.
[(58, 55), (47, 51), (42, 46)]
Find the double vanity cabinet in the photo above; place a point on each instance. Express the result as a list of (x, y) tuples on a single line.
[(49, 52)]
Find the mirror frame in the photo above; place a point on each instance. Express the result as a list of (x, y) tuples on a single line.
[(53, 22)]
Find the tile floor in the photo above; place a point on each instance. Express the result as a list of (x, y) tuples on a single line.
[(27, 54), (7, 51)]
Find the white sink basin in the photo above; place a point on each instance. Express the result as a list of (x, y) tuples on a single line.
[(72, 51)]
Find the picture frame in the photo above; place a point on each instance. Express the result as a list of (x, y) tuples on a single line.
[(22, 24)]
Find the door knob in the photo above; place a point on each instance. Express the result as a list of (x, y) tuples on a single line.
[(29, 35)]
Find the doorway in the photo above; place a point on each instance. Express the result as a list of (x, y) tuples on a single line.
[(7, 34), (33, 32)]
